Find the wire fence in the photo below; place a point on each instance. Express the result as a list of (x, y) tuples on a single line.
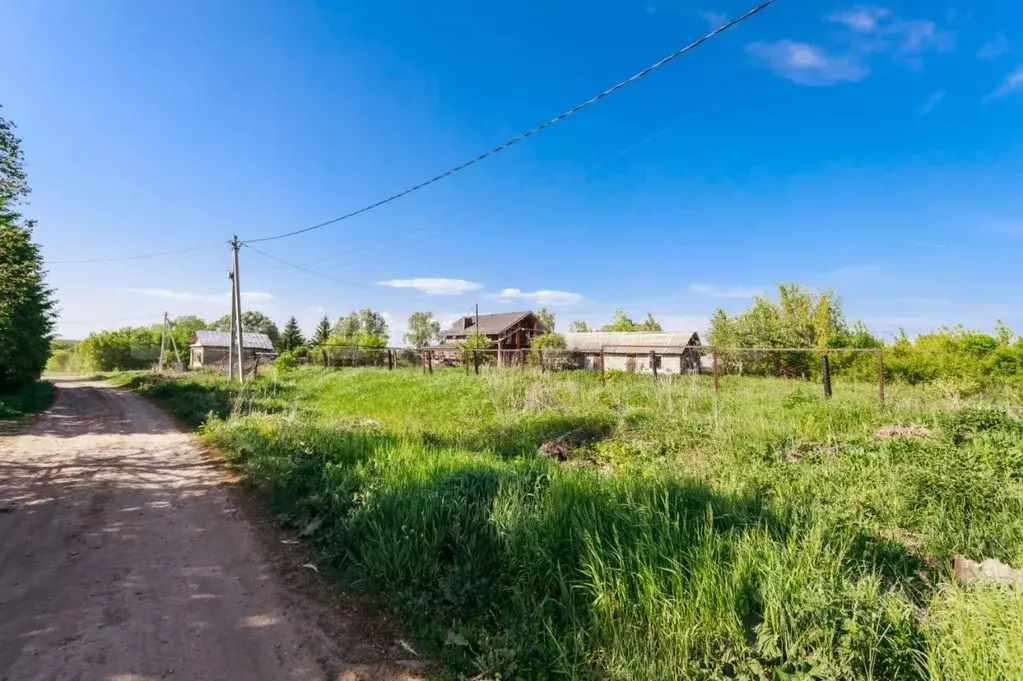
[(828, 369)]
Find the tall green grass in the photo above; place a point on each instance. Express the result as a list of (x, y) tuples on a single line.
[(33, 398), (759, 533)]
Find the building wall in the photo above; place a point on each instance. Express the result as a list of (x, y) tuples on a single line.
[(637, 363)]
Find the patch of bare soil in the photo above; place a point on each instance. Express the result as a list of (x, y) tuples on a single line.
[(902, 431), (126, 553)]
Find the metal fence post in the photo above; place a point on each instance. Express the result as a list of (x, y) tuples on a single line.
[(653, 363), (880, 373), (826, 370), (429, 361), (717, 385), (390, 360)]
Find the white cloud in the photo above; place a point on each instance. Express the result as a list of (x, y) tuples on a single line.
[(725, 291), (807, 64), (878, 29), (863, 19), (540, 297), (714, 19), (435, 287), (997, 47), (211, 298), (1012, 83), (932, 101)]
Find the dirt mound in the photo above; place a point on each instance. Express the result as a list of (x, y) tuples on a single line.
[(560, 447)]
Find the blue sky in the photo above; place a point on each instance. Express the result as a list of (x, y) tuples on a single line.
[(877, 149)]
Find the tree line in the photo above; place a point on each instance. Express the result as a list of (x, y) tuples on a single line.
[(27, 308)]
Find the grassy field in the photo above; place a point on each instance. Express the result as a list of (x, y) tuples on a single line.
[(31, 399), (761, 533)]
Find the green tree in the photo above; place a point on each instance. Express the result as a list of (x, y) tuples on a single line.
[(365, 327), (291, 338), (373, 324), (546, 318), (578, 326), (475, 341), (621, 322), (422, 329), (253, 321), (26, 303), (649, 324), (347, 329), (322, 334)]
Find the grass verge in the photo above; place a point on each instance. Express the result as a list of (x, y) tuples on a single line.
[(31, 399), (763, 533)]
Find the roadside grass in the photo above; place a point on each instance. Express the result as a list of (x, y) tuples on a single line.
[(31, 399), (760, 533)]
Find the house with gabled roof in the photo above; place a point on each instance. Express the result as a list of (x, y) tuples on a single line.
[(210, 348), (505, 330)]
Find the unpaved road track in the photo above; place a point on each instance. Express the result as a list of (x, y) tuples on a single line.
[(125, 556)]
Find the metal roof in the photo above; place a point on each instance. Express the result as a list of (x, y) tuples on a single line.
[(490, 324), (631, 342), (222, 339)]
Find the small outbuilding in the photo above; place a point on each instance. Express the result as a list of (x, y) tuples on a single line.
[(674, 352), (210, 348)]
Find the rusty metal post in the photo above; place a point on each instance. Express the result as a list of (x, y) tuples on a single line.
[(603, 376), (717, 385), (826, 371), (880, 373), (429, 360)]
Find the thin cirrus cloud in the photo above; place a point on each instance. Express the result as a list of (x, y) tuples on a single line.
[(212, 298), (435, 286), (1012, 83), (725, 291), (878, 29), (999, 46), (932, 102), (713, 19), (806, 64), (540, 297), (865, 31)]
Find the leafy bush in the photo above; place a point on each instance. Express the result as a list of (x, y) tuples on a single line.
[(121, 349), (29, 399), (285, 362)]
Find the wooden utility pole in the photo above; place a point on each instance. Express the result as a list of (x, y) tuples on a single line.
[(163, 341), (230, 344), (476, 348), (174, 343), (235, 245)]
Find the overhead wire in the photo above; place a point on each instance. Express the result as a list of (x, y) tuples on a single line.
[(349, 284), (529, 133), (141, 256), (503, 194)]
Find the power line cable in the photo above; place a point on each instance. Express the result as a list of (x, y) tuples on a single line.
[(141, 256), (503, 194), (515, 140), (343, 283)]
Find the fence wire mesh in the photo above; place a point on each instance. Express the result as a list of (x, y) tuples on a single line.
[(721, 368)]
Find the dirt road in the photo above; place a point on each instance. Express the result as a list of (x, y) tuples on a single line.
[(125, 555)]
